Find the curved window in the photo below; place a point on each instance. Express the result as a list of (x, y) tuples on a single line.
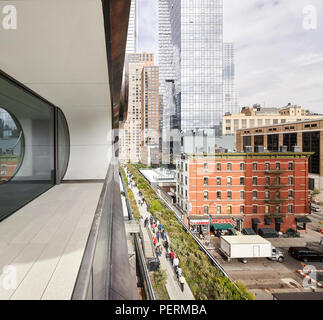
[(63, 145), (34, 146), (11, 146)]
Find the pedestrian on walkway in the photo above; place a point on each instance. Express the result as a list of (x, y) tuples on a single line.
[(146, 222), (321, 241), (158, 250), (175, 264), (151, 219), (166, 245), (158, 235), (182, 282), (155, 229), (171, 256), (157, 222), (179, 272), (163, 234), (154, 241)]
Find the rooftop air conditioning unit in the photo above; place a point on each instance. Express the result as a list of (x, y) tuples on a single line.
[(296, 149), (283, 148), (247, 149), (259, 149)]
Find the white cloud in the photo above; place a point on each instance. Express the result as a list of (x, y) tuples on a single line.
[(277, 60)]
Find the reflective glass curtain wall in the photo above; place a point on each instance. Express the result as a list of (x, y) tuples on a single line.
[(29, 146), (197, 37)]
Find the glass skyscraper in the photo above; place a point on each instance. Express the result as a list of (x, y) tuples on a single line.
[(203, 74)]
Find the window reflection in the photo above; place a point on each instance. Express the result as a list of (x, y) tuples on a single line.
[(11, 146)]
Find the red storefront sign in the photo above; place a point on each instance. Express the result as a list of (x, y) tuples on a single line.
[(199, 222), (222, 221)]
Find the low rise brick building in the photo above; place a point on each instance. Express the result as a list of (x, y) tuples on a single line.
[(244, 190), (304, 136)]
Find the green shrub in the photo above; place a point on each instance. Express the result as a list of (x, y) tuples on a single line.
[(205, 280)]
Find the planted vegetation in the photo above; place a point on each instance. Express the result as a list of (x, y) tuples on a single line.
[(206, 281), (131, 197), (159, 280)]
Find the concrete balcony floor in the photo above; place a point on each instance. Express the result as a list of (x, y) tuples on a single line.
[(42, 244)]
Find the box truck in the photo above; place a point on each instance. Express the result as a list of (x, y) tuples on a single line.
[(245, 247)]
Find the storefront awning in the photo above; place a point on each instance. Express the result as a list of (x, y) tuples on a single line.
[(255, 221), (279, 220), (268, 221), (222, 226), (303, 219)]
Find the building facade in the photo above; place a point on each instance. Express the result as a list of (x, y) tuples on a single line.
[(132, 37), (244, 190), (230, 97), (63, 96), (151, 116), (202, 64), (258, 116), (305, 136), (142, 127)]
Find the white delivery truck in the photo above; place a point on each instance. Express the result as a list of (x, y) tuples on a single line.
[(245, 247)]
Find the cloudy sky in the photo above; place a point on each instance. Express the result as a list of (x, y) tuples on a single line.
[(278, 60)]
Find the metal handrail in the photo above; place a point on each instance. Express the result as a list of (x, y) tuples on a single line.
[(106, 248)]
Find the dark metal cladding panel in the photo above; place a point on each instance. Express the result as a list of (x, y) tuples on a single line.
[(116, 17)]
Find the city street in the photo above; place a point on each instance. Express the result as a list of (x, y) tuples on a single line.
[(263, 276)]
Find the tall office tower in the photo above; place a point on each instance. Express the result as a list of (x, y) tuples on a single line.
[(229, 92), (132, 40), (165, 46), (197, 62), (130, 130), (151, 116), (167, 73)]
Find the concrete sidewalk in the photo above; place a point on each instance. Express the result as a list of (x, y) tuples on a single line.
[(172, 286)]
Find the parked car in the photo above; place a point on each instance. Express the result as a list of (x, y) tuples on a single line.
[(249, 232), (315, 208), (268, 233), (305, 254), (291, 233)]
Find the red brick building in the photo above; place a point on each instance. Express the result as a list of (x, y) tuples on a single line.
[(8, 167), (252, 190)]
